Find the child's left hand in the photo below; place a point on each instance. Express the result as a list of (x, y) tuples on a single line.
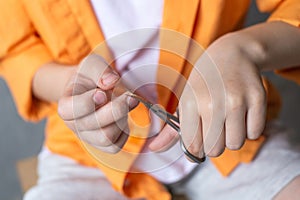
[(223, 102)]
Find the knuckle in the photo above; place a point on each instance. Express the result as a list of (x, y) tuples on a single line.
[(116, 112), (258, 96), (103, 139), (80, 103), (234, 102), (83, 123), (102, 117), (206, 106), (190, 104), (119, 109), (109, 135)]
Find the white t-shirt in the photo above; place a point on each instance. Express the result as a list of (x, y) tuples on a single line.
[(131, 29)]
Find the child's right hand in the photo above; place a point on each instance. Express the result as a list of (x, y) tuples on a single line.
[(88, 110)]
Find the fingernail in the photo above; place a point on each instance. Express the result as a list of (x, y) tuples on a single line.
[(99, 98), (132, 102), (202, 157), (202, 153), (110, 78)]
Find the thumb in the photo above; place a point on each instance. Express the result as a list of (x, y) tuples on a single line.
[(108, 79), (165, 140), (94, 68)]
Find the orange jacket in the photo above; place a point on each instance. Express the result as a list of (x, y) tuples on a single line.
[(34, 32)]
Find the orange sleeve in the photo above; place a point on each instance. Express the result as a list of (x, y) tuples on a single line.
[(21, 53), (287, 11), (283, 10)]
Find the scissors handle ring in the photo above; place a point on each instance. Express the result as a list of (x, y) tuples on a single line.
[(172, 120), (189, 155)]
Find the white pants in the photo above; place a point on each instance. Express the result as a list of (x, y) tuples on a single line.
[(275, 166)]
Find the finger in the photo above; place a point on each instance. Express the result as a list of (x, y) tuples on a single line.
[(106, 136), (215, 145), (72, 107), (96, 69), (256, 119), (117, 146), (165, 140), (235, 127), (111, 112), (191, 126), (213, 130), (197, 146)]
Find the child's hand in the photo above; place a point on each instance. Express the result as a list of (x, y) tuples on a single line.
[(223, 103), (88, 110)]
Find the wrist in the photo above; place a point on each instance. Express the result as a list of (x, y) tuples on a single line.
[(50, 80), (248, 47)]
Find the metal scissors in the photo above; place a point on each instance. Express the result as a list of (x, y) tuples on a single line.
[(171, 120)]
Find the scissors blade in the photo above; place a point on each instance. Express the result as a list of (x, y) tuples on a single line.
[(154, 108), (169, 119), (161, 113), (142, 100)]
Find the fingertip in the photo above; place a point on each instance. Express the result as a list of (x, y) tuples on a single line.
[(253, 136), (255, 130), (256, 122), (164, 141), (158, 146), (197, 160), (132, 102), (61, 109), (99, 98), (108, 80), (154, 146)]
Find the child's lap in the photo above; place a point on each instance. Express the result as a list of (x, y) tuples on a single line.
[(62, 178), (274, 167)]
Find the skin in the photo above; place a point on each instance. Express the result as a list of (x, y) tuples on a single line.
[(248, 52), (238, 57), (85, 98)]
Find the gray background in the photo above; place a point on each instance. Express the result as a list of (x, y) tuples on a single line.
[(19, 139)]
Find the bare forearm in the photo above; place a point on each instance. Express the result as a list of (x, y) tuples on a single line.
[(273, 45), (50, 80)]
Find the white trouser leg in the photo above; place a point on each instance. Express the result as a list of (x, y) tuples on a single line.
[(276, 165), (61, 178)]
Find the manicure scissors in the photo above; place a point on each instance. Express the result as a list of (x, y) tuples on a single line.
[(171, 120)]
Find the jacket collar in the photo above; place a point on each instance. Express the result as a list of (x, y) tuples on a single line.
[(178, 20), (177, 29)]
